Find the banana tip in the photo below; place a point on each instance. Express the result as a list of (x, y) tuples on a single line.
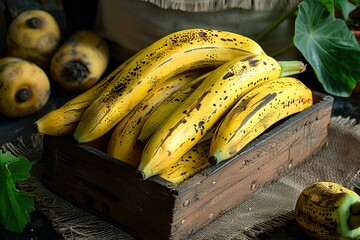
[(79, 139), (36, 127), (213, 160), (139, 143), (140, 175), (76, 140)]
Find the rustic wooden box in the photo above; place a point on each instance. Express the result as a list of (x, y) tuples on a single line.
[(157, 209)]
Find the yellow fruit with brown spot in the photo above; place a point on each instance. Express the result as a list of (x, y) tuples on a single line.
[(80, 62), (34, 35), (24, 87)]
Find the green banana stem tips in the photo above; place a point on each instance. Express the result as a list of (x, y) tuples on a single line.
[(290, 68)]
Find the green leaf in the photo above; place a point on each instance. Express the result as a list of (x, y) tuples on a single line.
[(356, 2), (330, 5), (16, 205), (345, 7), (329, 46)]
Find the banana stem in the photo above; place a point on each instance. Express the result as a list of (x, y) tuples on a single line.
[(262, 35), (354, 220), (290, 68)]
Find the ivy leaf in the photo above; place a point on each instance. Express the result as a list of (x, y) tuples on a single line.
[(16, 205), (329, 46)]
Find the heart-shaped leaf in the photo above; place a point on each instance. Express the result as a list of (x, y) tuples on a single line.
[(329, 46)]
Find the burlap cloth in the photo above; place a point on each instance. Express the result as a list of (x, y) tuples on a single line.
[(269, 208)]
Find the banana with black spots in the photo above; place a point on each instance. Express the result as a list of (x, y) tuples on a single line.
[(192, 162), (123, 143), (206, 105), (164, 110), (328, 211), (255, 112), (63, 120), (177, 52)]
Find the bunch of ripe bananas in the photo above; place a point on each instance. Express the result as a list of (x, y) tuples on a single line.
[(192, 99)]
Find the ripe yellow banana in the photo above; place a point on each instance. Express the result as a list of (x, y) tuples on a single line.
[(255, 112), (175, 53), (210, 133), (63, 120), (80, 62), (164, 110), (206, 105), (192, 162), (123, 143), (91, 94), (329, 211)]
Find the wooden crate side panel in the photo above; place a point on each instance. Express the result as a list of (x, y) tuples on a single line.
[(156, 209), (143, 208), (222, 190)]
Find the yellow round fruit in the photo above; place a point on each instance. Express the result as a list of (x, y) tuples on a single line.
[(24, 87), (79, 63), (33, 35)]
